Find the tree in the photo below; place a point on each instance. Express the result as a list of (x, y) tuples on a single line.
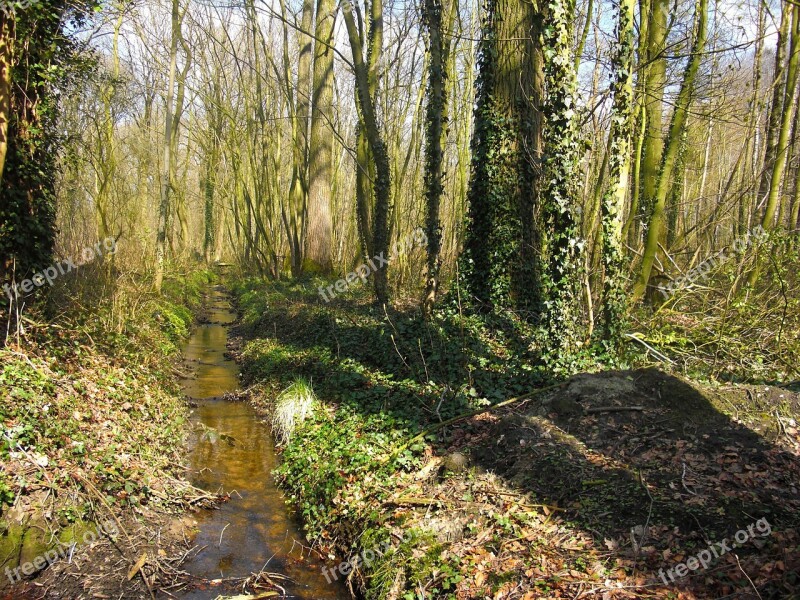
[(319, 237), (366, 73), (674, 140), (561, 243), (614, 297), (498, 260), (784, 104), (43, 58), (435, 134), (7, 40), (169, 145)]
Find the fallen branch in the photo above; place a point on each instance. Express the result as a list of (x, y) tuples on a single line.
[(474, 413), (605, 409)]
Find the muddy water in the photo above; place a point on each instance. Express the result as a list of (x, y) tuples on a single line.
[(231, 450)]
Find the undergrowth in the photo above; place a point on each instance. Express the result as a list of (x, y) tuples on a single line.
[(716, 327), (92, 419), (383, 376)]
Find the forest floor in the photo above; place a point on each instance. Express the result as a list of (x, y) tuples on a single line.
[(635, 483), (93, 426), (610, 484)]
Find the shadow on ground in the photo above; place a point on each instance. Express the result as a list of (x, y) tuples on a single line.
[(649, 468)]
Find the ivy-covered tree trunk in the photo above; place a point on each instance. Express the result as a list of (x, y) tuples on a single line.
[(614, 303), (39, 56), (499, 258), (366, 73), (435, 134), (562, 245)]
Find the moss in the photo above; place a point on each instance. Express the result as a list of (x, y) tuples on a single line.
[(10, 543)]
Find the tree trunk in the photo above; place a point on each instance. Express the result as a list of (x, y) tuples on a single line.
[(562, 246), (499, 258), (366, 88), (6, 60), (319, 239), (674, 141), (166, 176), (655, 77), (614, 283), (787, 107), (435, 137)]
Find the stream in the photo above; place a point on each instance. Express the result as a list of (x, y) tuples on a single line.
[(231, 450)]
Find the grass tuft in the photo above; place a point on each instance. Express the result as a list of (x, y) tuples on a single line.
[(293, 406)]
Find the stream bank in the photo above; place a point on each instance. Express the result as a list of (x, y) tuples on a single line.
[(93, 426), (588, 491)]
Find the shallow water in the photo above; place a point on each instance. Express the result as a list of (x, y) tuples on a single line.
[(231, 451)]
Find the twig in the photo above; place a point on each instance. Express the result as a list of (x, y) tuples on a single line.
[(683, 480), (605, 409), (473, 413), (221, 533), (649, 514), (755, 589), (655, 352)]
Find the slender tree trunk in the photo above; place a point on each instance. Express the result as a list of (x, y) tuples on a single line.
[(776, 106), (788, 106), (794, 175), (674, 140), (612, 209), (166, 181), (319, 239), (366, 88), (6, 60)]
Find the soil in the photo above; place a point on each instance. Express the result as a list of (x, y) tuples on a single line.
[(650, 469)]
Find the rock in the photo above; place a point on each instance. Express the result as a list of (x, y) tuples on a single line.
[(455, 462)]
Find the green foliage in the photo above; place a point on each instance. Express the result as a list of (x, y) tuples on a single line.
[(497, 266), (47, 59), (6, 492), (329, 453), (562, 245), (78, 396)]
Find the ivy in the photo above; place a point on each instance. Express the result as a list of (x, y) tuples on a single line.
[(496, 265), (46, 60), (562, 244)]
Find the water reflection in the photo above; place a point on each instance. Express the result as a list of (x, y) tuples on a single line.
[(230, 450)]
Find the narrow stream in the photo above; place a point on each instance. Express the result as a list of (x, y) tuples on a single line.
[(230, 449)]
